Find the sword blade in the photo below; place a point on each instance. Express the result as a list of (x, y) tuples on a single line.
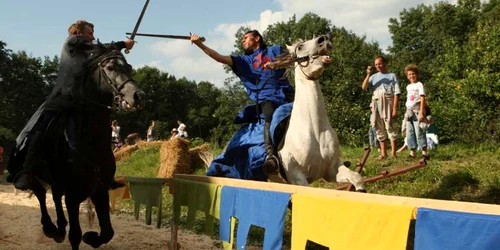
[(166, 36), (139, 20)]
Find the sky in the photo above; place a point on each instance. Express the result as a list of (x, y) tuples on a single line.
[(40, 27)]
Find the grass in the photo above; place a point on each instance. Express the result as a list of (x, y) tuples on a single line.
[(454, 172)]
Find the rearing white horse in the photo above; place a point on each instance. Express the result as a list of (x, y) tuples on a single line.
[(311, 148)]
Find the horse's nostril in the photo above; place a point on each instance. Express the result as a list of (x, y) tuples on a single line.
[(139, 95), (139, 99)]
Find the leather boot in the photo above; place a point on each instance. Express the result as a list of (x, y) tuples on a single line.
[(271, 164), (24, 178)]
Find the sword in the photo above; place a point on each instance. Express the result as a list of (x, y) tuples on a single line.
[(167, 36), (137, 24)]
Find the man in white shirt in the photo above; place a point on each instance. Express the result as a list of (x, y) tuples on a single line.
[(181, 129)]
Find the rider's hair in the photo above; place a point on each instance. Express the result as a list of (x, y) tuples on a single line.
[(78, 27), (262, 43)]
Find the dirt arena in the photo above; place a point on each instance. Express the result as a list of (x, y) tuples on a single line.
[(20, 228)]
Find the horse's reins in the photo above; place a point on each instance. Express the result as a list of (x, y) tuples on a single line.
[(117, 99), (306, 59)]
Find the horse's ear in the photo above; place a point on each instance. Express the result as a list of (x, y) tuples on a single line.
[(290, 48)]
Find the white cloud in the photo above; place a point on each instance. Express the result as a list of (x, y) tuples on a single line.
[(363, 17), (181, 58)]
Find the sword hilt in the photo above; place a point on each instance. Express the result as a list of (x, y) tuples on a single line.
[(127, 50)]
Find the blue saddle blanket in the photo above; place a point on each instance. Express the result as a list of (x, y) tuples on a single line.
[(245, 153)]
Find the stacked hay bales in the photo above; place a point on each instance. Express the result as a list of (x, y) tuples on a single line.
[(174, 158), (126, 151), (177, 158)]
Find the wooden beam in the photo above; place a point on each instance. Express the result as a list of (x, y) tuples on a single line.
[(355, 196)]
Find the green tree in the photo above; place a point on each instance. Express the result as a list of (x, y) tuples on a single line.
[(25, 82), (202, 109), (232, 99)]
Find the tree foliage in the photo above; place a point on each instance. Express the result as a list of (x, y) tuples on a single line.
[(25, 81), (456, 46)]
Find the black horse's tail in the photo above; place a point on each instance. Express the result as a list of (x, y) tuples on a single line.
[(15, 164)]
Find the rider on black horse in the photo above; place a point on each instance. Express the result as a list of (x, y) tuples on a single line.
[(63, 102)]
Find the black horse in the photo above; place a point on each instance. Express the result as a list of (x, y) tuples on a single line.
[(85, 170)]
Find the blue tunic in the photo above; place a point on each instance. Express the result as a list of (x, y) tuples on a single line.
[(245, 153), (262, 84)]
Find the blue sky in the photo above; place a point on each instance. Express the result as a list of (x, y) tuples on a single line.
[(40, 27)]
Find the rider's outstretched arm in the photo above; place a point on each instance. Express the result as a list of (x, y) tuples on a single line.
[(210, 52)]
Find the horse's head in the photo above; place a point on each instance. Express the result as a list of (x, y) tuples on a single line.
[(307, 55), (113, 76)]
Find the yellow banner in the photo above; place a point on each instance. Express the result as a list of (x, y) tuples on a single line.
[(349, 225)]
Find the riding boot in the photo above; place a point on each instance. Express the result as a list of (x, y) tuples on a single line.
[(24, 178), (271, 164)]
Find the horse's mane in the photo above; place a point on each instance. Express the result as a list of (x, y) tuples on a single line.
[(99, 52), (95, 53), (286, 60)]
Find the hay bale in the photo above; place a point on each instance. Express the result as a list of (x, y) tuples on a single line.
[(201, 155), (174, 158), (126, 151)]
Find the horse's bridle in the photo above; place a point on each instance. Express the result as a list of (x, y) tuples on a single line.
[(115, 88), (307, 59)]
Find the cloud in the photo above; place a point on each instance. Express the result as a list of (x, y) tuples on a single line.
[(363, 17), (181, 58)]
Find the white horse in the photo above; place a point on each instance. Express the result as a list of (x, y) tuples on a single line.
[(311, 147)]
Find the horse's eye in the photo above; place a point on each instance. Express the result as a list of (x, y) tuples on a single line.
[(110, 68), (300, 47)]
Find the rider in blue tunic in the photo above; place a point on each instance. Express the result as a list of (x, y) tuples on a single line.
[(267, 88)]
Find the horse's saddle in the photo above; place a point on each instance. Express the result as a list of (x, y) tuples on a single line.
[(279, 124)]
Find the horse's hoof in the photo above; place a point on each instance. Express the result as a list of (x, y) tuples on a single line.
[(50, 230), (92, 238), (361, 190), (59, 239)]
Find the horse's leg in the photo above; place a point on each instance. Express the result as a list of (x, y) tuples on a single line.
[(101, 203), (75, 231), (49, 229), (293, 170), (57, 194), (344, 174)]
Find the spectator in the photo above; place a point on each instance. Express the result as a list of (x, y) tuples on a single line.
[(385, 100), (173, 133), (181, 130), (115, 131), (372, 136), (151, 134), (432, 138), (415, 116)]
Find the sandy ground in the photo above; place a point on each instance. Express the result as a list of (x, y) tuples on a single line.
[(20, 228)]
